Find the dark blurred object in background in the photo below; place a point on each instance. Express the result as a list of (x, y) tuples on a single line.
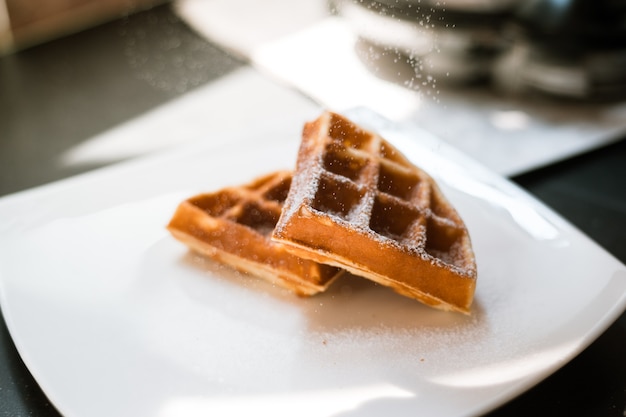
[(566, 48), (456, 41), (569, 48)]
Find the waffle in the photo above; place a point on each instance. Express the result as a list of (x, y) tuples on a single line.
[(233, 226), (357, 203)]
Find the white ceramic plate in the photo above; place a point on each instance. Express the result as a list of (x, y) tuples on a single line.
[(115, 318)]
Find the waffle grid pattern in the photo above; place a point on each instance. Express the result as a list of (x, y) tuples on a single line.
[(256, 206), (357, 203), (234, 226), (405, 207)]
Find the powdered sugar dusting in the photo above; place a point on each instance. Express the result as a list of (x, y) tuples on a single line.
[(358, 183), (395, 335), (303, 187)]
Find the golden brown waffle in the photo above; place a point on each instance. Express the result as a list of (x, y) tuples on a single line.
[(233, 226), (359, 204)]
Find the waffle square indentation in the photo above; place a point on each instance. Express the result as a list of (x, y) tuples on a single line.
[(336, 198), (278, 192), (218, 204), (442, 239), (392, 220), (397, 183), (349, 135), (257, 218), (439, 207), (343, 163)]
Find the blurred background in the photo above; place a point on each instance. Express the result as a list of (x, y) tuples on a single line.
[(517, 84), (566, 48)]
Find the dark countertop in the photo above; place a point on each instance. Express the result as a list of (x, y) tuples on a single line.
[(55, 95)]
